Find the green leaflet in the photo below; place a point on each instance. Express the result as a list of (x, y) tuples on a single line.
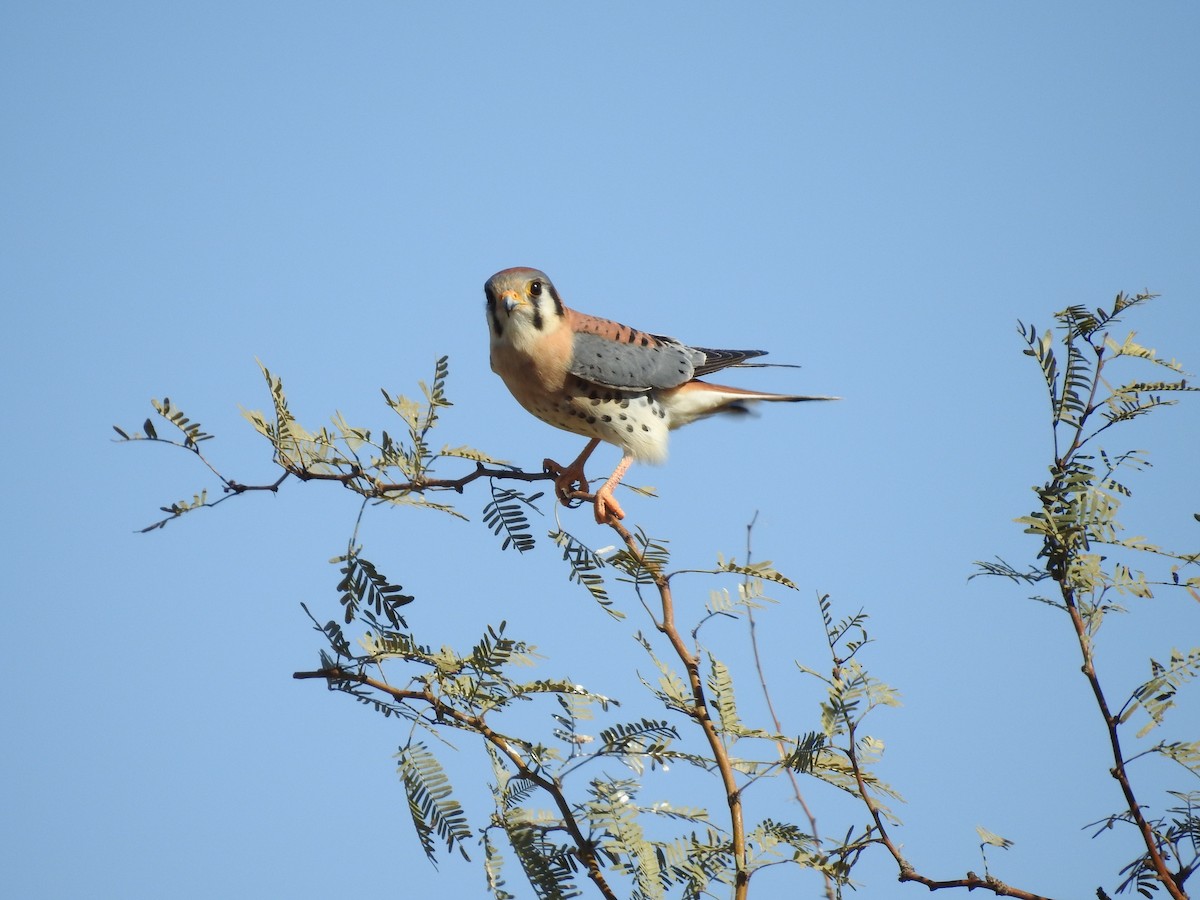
[(1157, 695), (585, 564), (505, 515), (433, 809), (362, 585)]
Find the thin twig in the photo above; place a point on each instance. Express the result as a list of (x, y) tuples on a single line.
[(907, 872), (699, 712), (1118, 771), (356, 480), (830, 889), (1061, 552), (584, 848)]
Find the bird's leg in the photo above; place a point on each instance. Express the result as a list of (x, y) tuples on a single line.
[(607, 507), (567, 480)]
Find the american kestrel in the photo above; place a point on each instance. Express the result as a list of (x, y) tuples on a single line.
[(603, 380)]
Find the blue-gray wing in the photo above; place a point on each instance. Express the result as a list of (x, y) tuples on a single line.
[(715, 360), (647, 362)]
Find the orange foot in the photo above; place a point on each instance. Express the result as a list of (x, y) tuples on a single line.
[(607, 507), (570, 479), (567, 480)]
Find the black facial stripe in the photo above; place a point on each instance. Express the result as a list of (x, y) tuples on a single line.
[(558, 304), (497, 328)]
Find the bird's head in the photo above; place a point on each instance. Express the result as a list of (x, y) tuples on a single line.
[(522, 304)]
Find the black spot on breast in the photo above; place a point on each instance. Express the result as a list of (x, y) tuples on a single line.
[(629, 428)]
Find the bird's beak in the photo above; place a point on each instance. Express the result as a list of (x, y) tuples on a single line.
[(510, 300)]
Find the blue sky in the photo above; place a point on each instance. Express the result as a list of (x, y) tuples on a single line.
[(875, 191)]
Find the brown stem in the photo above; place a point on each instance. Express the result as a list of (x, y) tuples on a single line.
[(1111, 723), (699, 713), (830, 890), (1089, 408), (583, 847), (355, 478), (907, 872)]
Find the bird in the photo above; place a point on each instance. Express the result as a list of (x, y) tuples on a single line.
[(603, 380)]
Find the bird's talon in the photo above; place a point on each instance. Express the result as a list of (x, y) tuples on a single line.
[(567, 481), (607, 509)]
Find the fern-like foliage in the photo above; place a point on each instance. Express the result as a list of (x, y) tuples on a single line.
[(806, 752), (549, 866), (177, 509), (720, 691), (1186, 753), (493, 865), (763, 570), (505, 514), (433, 809), (332, 632), (362, 585), (613, 811), (1077, 514), (637, 743), (192, 433), (643, 567), (671, 690), (1029, 575), (191, 436), (585, 564), (388, 468), (494, 652), (1157, 695), (697, 861), (772, 842), (1084, 549), (840, 754), (1177, 837)]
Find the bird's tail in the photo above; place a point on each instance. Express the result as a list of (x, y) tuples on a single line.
[(736, 394), (704, 399)]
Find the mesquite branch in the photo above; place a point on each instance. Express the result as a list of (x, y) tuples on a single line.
[(584, 849), (698, 711), (354, 478), (1112, 723)]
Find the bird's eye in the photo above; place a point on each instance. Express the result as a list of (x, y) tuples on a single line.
[(535, 288)]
